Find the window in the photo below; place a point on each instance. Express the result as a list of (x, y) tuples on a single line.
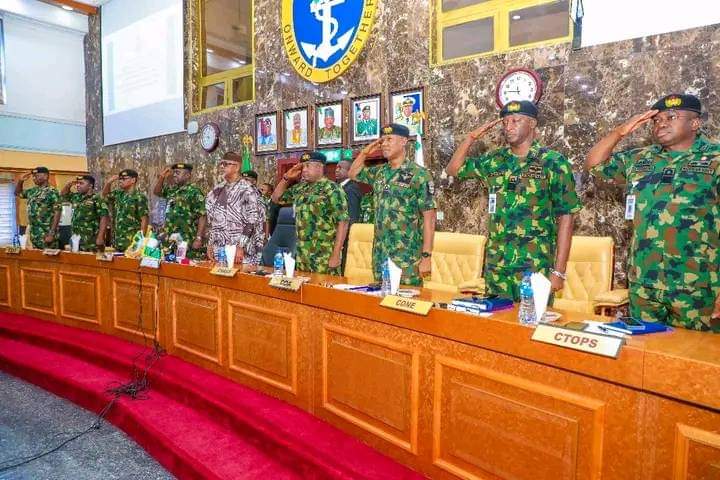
[(226, 54), (8, 226), (470, 28)]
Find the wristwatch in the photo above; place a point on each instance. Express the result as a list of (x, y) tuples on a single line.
[(559, 274), (426, 254)]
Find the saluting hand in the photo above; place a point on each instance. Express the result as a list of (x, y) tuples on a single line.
[(166, 172), (636, 122), (294, 173), (114, 178), (26, 176), (373, 147), (479, 132)]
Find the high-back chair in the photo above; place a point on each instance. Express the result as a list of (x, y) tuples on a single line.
[(358, 265), (457, 261), (283, 237)]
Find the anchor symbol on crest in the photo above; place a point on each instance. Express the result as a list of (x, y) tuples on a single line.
[(322, 9)]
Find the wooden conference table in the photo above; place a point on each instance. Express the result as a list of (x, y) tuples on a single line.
[(450, 394)]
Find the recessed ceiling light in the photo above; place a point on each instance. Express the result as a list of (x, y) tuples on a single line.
[(516, 17), (66, 7)]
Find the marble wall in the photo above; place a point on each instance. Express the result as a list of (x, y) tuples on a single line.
[(587, 92)]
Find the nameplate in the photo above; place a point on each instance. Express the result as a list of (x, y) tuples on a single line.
[(224, 271), (149, 262), (52, 252), (419, 307), (604, 345), (288, 283), (12, 250), (104, 256)]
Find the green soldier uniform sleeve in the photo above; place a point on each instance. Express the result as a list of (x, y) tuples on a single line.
[(54, 200), (166, 190), (338, 204), (615, 168), (69, 197), (102, 206), (425, 191), (289, 195), (113, 195), (142, 205), (474, 167), (367, 175), (564, 197), (27, 193), (199, 201)]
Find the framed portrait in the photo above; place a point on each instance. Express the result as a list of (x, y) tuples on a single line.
[(3, 96), (297, 131), (266, 132), (329, 124), (405, 109), (366, 119)]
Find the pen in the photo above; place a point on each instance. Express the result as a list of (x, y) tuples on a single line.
[(606, 328)]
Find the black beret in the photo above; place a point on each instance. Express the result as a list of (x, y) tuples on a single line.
[(396, 129), (89, 178), (182, 166), (40, 170), (250, 174), (313, 157), (128, 172), (679, 102), (522, 107)]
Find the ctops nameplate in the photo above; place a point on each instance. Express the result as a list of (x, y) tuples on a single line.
[(604, 345), (323, 38), (420, 307)]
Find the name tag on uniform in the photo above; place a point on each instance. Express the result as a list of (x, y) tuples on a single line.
[(630, 207), (492, 202)]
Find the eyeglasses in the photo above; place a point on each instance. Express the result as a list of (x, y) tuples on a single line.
[(227, 164), (670, 117)]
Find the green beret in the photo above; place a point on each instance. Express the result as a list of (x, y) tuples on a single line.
[(182, 166), (396, 129), (679, 102), (522, 107), (313, 157)]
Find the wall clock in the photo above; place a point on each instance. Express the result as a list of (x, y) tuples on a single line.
[(209, 136), (518, 84)]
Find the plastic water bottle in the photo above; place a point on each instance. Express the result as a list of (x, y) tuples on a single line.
[(385, 286), (526, 312), (220, 256), (16, 240), (278, 264)]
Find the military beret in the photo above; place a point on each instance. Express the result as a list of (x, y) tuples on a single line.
[(249, 174), (328, 112), (366, 107), (128, 172), (313, 157), (396, 129), (522, 107), (182, 166), (232, 156), (89, 178), (679, 102), (408, 101), (40, 170)]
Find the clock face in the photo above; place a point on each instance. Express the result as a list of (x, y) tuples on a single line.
[(209, 137), (519, 85)]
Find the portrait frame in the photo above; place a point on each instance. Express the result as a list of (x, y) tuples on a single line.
[(287, 126), (396, 109), (356, 106), (338, 108), (264, 147), (3, 90)]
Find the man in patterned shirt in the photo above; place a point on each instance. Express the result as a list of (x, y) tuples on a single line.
[(321, 214), (531, 201), (185, 210), (235, 214), (89, 213), (43, 202), (130, 208)]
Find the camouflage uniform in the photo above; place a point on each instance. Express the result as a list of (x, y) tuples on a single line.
[(319, 207), (88, 209), (531, 193), (673, 268), (401, 196), (185, 206), (129, 208), (367, 208), (42, 203)]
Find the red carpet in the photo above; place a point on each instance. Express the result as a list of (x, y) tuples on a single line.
[(194, 422)]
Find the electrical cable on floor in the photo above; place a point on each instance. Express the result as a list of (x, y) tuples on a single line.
[(136, 388)]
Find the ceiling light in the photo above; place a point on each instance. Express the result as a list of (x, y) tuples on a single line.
[(516, 17), (66, 7)]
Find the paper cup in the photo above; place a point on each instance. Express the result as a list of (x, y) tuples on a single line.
[(230, 251)]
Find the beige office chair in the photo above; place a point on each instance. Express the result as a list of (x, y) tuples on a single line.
[(457, 261), (358, 265)]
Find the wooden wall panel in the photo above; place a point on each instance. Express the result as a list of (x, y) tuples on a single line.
[(373, 383), (134, 305), (81, 296), (697, 454), (263, 344), (196, 326), (491, 423), (6, 285), (38, 287)]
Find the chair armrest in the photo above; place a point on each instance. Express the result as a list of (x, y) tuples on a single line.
[(613, 298)]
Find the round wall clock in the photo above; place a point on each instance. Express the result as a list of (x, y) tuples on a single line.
[(518, 84), (209, 136)]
